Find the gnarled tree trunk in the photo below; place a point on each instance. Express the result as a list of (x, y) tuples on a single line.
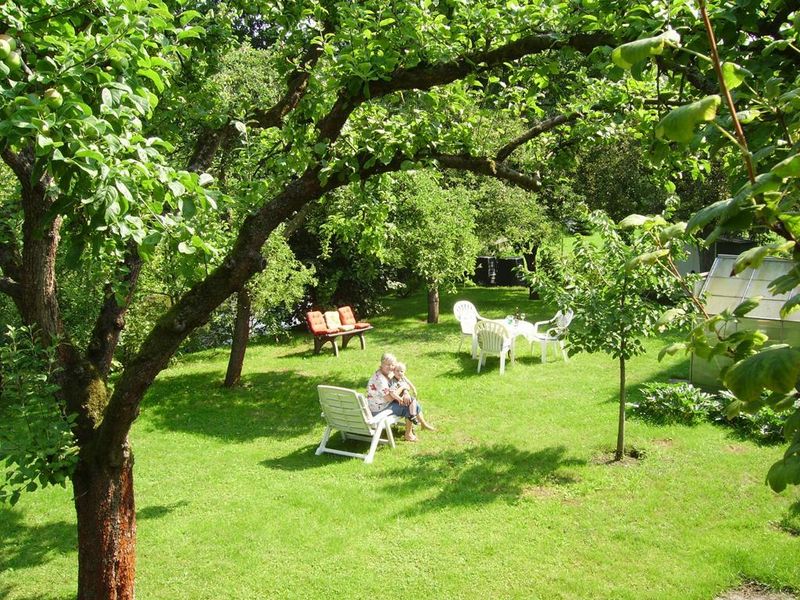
[(241, 335), (106, 529)]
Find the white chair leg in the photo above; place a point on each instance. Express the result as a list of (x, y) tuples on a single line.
[(460, 342), (474, 347), (544, 352), (389, 434), (373, 446), (480, 360), (324, 441), (563, 352), (502, 363)]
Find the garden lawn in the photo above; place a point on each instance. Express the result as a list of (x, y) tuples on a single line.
[(511, 498)]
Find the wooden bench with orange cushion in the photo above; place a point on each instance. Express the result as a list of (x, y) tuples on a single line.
[(347, 317), (328, 328)]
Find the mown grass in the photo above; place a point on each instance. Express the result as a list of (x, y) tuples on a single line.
[(511, 498)]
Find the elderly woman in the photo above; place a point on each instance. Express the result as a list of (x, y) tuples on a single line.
[(380, 395)]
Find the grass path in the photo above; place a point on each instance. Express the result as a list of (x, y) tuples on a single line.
[(507, 500)]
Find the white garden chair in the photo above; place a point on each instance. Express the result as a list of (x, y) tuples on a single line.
[(467, 316), (493, 338), (347, 411), (552, 331)]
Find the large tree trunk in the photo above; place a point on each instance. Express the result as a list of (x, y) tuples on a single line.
[(433, 303), (241, 334), (106, 529), (530, 264)]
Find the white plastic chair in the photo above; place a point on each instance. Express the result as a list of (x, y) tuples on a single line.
[(347, 411), (555, 334), (493, 338), (467, 316)]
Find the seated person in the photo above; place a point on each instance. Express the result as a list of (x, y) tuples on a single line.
[(381, 397)]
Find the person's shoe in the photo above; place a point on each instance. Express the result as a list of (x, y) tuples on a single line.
[(410, 437)]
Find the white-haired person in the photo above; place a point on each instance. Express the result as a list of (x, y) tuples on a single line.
[(402, 387), (380, 395)]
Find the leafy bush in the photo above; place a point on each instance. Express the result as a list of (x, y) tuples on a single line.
[(37, 447), (665, 403), (764, 426)]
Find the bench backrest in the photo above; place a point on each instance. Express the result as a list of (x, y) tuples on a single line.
[(346, 315), (316, 322), (345, 410)]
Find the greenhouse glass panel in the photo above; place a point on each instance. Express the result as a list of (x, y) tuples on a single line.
[(723, 290)]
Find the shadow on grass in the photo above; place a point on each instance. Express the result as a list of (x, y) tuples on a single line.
[(5, 592), (156, 512), (278, 404), (32, 545), (464, 477), (481, 475)]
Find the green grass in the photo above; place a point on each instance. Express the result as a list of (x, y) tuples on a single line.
[(509, 499)]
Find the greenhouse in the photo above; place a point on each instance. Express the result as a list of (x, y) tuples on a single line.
[(723, 290)]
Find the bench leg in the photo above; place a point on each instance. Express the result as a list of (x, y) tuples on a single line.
[(345, 340), (361, 338), (318, 344), (335, 347)]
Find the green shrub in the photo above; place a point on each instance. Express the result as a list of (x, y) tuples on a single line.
[(764, 426), (666, 403)]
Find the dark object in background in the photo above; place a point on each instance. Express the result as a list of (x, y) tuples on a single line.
[(486, 270), (508, 273)]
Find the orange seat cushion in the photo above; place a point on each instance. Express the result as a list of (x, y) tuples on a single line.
[(316, 323), (346, 316)]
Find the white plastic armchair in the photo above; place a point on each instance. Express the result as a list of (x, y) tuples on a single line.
[(347, 411), (552, 331), (467, 316), (493, 339)]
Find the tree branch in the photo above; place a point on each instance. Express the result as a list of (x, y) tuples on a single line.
[(111, 320), (483, 165), (425, 76), (10, 287), (297, 84), (534, 131)]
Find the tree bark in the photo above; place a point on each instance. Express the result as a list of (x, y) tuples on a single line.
[(241, 334), (106, 529), (620, 452), (433, 303), (530, 264)]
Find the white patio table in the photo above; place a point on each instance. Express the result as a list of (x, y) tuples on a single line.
[(516, 328)]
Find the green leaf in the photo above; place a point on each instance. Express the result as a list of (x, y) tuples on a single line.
[(747, 305), (791, 305), (152, 76), (789, 167), (783, 473), (627, 55), (751, 258), (705, 215), (680, 123), (633, 221), (185, 248), (672, 349), (734, 75), (775, 368), (648, 258), (671, 232), (670, 315)]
